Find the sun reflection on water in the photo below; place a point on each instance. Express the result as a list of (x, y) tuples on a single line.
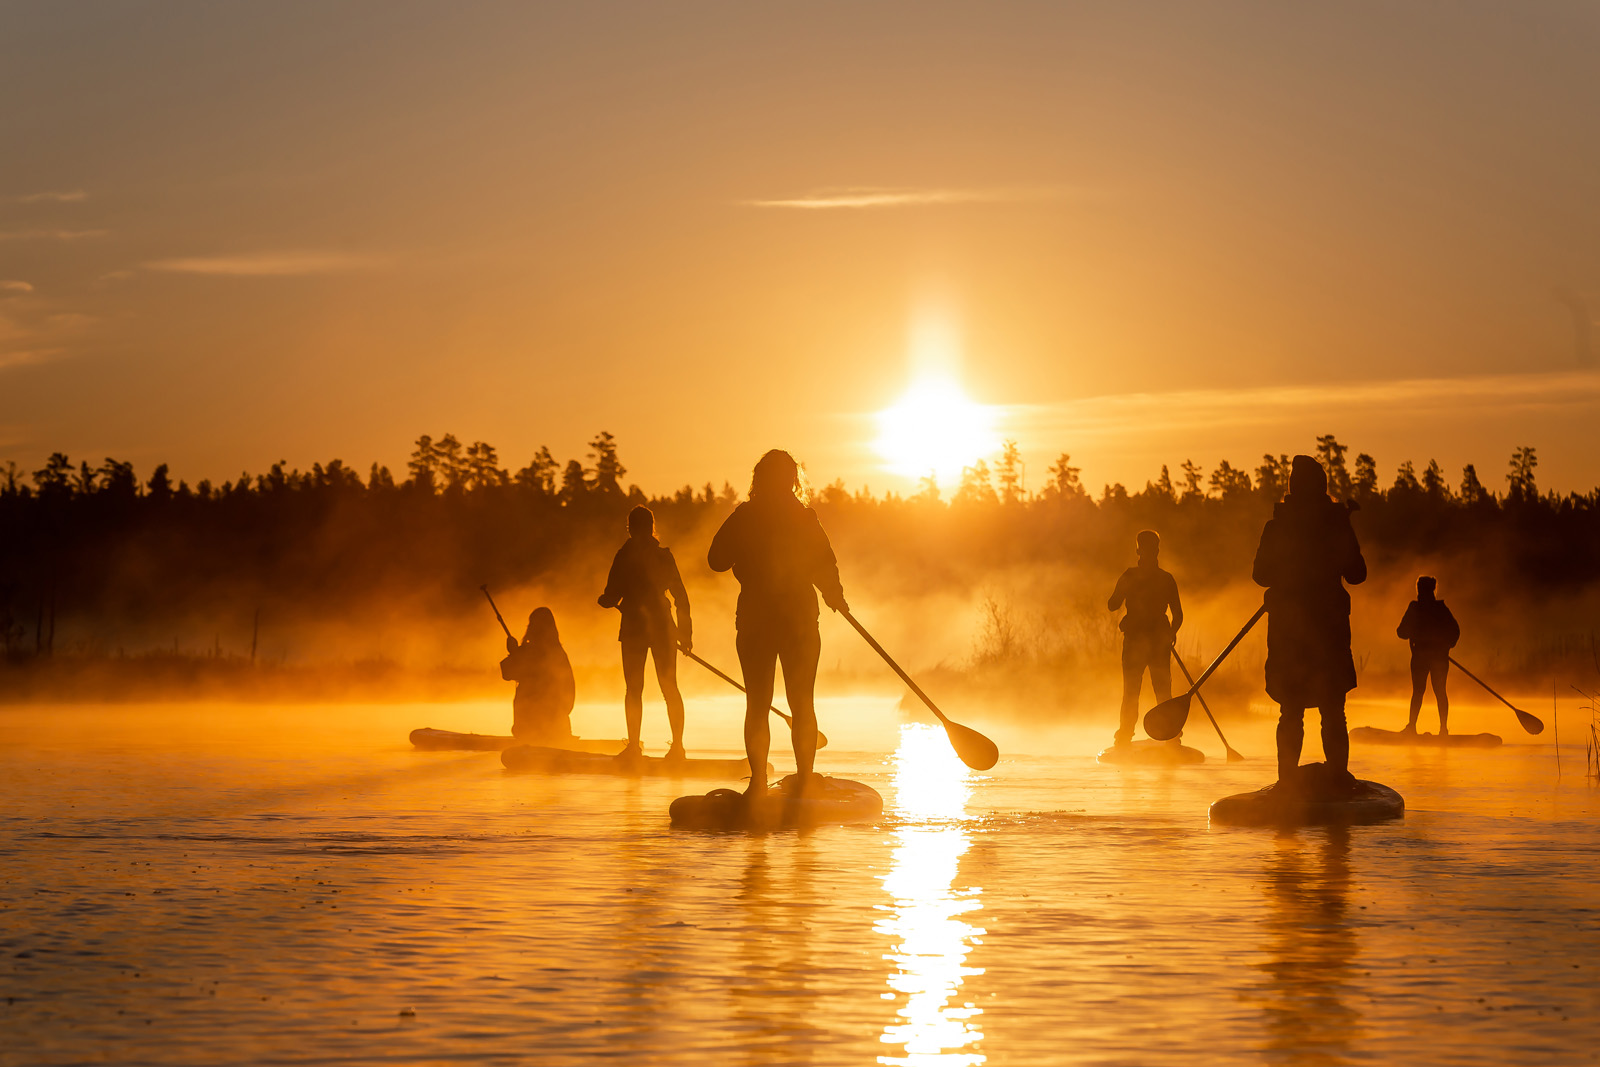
[(930, 938)]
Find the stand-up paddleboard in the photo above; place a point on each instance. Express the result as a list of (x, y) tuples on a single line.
[(451, 741), (531, 759), (827, 801), (1313, 800), (1152, 754), (1372, 735)]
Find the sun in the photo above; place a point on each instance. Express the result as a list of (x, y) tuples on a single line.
[(935, 428)]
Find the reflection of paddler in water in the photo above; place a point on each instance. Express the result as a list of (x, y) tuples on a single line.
[(1147, 633), (642, 574), (1433, 632), (1308, 551), (1310, 949), (541, 710), (781, 556)]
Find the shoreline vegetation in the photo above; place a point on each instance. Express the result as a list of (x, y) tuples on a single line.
[(327, 585)]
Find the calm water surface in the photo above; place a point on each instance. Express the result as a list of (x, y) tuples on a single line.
[(222, 885)]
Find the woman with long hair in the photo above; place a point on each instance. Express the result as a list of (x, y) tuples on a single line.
[(777, 549), (541, 710)]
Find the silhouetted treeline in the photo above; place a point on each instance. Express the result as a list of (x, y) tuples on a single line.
[(114, 557)]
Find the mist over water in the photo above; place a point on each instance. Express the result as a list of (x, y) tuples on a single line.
[(226, 884)]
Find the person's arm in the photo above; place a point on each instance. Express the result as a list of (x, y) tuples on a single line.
[(680, 601), (1408, 622), (825, 567), (1177, 607), (613, 591), (1265, 570), (1354, 570), (724, 552), (1119, 594), (1452, 628)]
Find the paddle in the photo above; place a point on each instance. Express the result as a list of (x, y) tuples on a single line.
[(1531, 723), (1165, 721), (975, 750), (822, 738), (1233, 757), (503, 625)]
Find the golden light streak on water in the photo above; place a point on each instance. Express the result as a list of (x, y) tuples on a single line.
[(933, 1025)]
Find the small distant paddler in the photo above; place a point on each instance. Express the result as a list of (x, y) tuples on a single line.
[(1308, 552), (1433, 632), (1147, 631), (642, 575), (541, 709)]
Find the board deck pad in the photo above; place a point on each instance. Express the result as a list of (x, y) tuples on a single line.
[(451, 741), (830, 801), (1372, 735), (1150, 753), (1314, 803), (533, 759)]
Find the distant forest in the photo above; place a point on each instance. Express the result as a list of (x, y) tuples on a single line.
[(100, 560)]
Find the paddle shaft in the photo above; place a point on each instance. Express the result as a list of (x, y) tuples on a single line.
[(1203, 705), (730, 681), (904, 677), (502, 622), (1194, 687), (1487, 686)]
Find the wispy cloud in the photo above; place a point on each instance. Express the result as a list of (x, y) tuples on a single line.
[(873, 197), (266, 264), (1220, 409), (49, 235), (15, 287), (64, 196)]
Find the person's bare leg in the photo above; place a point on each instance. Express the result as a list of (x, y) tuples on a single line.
[(666, 660), (1291, 739), (1335, 737), (1160, 659), (1419, 684), (800, 659), (633, 654), (1439, 673), (758, 660), (1133, 666)]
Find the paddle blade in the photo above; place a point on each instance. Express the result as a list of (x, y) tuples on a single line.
[(1165, 721), (1531, 723), (822, 739), (975, 750)]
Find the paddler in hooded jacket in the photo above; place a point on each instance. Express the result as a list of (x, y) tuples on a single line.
[(1433, 631), (1149, 592), (777, 549), (541, 710), (642, 574), (1308, 551)]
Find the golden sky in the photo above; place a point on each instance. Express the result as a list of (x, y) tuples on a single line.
[(236, 233)]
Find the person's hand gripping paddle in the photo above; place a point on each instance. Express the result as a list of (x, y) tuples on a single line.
[(1165, 721), (975, 750)]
